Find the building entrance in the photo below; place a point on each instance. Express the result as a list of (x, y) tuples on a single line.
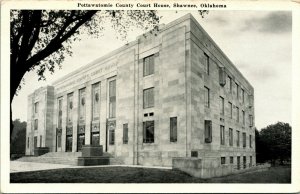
[(80, 141), (58, 139), (69, 143), (95, 138)]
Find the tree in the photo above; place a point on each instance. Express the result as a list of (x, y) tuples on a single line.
[(40, 39), (17, 145), (259, 148), (275, 142)]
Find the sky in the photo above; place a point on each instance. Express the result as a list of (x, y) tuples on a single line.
[(259, 43)]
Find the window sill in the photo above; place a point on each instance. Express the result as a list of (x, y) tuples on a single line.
[(149, 144), (148, 76)]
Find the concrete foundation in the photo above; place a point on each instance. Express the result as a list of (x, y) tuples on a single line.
[(199, 168)]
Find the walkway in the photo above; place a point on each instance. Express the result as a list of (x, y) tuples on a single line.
[(19, 166)]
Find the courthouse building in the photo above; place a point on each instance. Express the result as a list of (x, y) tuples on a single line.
[(170, 93)]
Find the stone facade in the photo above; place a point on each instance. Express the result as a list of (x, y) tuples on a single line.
[(39, 130), (152, 100)]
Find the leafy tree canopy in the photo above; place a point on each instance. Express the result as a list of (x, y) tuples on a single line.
[(275, 141), (18, 140)]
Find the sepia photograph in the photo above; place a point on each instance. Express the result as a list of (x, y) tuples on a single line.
[(145, 92)]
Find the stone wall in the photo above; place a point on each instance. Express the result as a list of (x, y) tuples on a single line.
[(44, 97), (201, 46), (169, 82), (200, 168)]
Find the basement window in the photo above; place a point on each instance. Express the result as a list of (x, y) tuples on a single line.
[(194, 154)]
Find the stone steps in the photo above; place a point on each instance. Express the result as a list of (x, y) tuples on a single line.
[(62, 154)]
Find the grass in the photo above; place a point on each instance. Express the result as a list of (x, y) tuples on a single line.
[(143, 175)]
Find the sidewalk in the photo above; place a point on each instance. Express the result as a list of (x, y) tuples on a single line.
[(18, 166)]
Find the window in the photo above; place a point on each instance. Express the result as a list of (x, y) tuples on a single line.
[(36, 107), (250, 100), (223, 160), (28, 142), (244, 161), (206, 97), (173, 129), (230, 137), (208, 131), (111, 137), (238, 138), (36, 124), (222, 76), (251, 120), (243, 117), (230, 109), (82, 104), (59, 113), (148, 98), (41, 140), (148, 132), (70, 108), (148, 65), (250, 141), (125, 133), (229, 84), (222, 105), (206, 65), (243, 95), (237, 114), (194, 154), (250, 164), (35, 142), (237, 90), (231, 159), (112, 99), (96, 101), (222, 134), (238, 160), (244, 140)]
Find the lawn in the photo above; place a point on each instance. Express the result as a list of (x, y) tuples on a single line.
[(143, 175)]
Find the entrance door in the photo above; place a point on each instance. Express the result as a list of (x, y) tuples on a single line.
[(95, 138), (58, 144), (69, 143), (80, 141)]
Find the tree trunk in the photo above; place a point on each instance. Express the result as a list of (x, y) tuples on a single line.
[(16, 75)]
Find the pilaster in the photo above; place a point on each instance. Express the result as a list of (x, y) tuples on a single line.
[(64, 122), (103, 113)]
